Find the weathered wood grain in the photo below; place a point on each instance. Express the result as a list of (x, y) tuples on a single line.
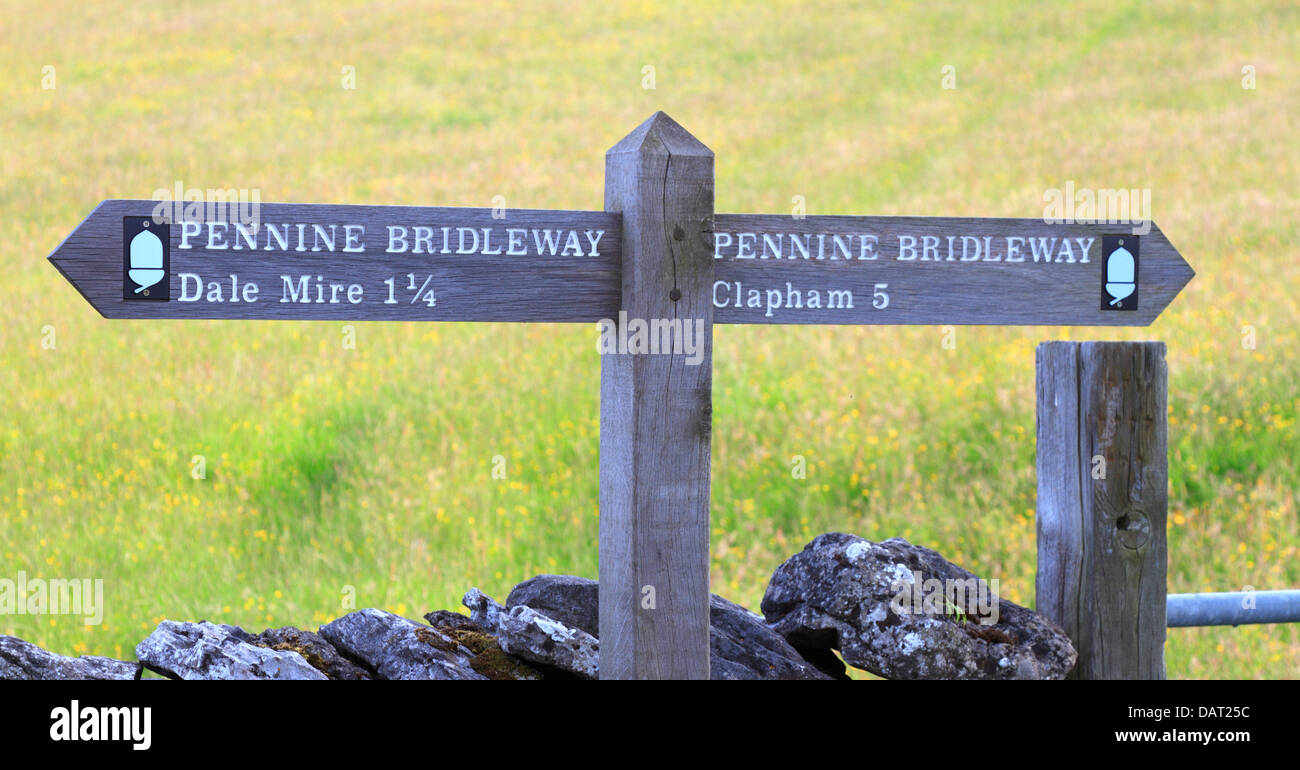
[(655, 415), (468, 287), (1102, 503), (935, 292)]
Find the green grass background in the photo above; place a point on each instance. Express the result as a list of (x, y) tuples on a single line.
[(332, 471)]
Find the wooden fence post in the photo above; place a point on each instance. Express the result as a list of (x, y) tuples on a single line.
[(656, 413), (1102, 499)]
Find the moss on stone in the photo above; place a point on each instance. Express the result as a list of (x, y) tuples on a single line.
[(314, 660), (495, 664), (437, 641), (476, 642), (488, 657)]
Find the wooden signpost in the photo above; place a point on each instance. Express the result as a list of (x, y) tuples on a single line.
[(656, 265)]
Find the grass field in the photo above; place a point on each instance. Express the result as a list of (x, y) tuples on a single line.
[(366, 472)]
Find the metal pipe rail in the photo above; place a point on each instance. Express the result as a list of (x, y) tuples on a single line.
[(1232, 608)]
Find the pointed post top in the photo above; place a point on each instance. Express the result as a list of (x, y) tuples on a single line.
[(660, 134)]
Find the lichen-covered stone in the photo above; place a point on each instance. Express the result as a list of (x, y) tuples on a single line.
[(394, 647), (314, 649), (574, 601), (557, 650), (554, 647), (483, 609), (210, 651), (24, 660), (741, 644), (850, 594), (526, 633)]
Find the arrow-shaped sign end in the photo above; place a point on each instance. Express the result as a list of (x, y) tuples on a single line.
[(1173, 270), (67, 260)]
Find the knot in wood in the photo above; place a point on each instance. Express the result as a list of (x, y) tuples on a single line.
[(1133, 529)]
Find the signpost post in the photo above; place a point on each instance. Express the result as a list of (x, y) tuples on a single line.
[(656, 269)]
